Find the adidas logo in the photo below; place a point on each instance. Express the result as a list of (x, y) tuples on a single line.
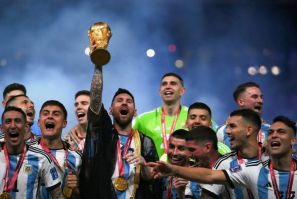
[(268, 185)]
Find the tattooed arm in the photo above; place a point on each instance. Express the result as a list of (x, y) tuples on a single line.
[(96, 90), (57, 193)]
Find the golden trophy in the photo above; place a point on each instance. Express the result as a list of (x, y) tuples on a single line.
[(99, 36)]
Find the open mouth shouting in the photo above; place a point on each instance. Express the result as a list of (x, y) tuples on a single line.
[(49, 125), (168, 93), (13, 135), (80, 115), (258, 108), (124, 111), (275, 144), (30, 113)]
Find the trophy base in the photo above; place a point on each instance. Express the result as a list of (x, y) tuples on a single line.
[(100, 57)]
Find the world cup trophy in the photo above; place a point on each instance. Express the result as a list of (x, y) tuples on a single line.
[(99, 36)]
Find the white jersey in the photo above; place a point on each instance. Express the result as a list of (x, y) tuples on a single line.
[(223, 137), (228, 161), (37, 165), (257, 178), (73, 165)]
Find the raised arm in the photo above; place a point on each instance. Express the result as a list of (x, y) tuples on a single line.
[(96, 90)]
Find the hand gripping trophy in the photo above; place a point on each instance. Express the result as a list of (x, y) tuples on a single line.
[(99, 36)]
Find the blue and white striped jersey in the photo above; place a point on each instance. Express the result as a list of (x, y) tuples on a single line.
[(74, 164), (129, 169), (223, 137), (37, 166), (228, 161), (193, 190), (257, 178)]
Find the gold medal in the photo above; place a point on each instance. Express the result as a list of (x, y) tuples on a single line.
[(65, 165), (5, 195), (67, 192), (121, 184)]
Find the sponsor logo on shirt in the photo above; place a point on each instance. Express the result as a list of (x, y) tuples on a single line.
[(268, 185)]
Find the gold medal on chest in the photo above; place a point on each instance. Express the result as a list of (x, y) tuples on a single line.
[(67, 192), (5, 195), (121, 184)]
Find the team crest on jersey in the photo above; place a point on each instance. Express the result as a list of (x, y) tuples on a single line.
[(28, 169), (54, 173), (235, 168)]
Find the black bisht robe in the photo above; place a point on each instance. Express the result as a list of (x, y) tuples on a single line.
[(99, 158)]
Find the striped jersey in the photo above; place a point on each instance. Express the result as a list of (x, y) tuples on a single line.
[(129, 169), (37, 165), (228, 161), (256, 176), (223, 137), (73, 165), (192, 190)]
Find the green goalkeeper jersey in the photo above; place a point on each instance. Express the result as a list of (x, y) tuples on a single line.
[(150, 124)]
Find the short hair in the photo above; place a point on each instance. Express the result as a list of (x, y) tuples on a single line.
[(179, 134), (291, 124), (249, 116), (54, 103), (13, 98), (13, 108), (203, 134), (200, 105), (12, 87), (121, 91), (242, 88), (174, 75), (82, 92)]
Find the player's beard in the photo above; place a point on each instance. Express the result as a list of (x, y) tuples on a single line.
[(123, 123)]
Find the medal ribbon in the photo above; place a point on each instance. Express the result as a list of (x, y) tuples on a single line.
[(119, 154), (32, 138), (8, 187), (169, 188), (164, 137), (46, 149), (290, 182)]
